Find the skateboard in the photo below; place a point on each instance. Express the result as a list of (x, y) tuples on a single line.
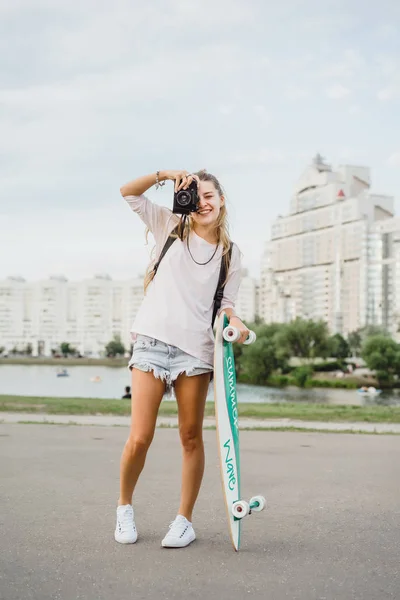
[(227, 425)]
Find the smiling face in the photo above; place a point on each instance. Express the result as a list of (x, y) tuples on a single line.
[(209, 204)]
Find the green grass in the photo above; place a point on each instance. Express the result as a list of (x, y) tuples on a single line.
[(298, 410)]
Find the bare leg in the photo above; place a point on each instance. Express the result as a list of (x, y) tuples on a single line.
[(147, 393), (191, 393)]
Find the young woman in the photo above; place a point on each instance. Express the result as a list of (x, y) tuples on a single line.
[(173, 337)]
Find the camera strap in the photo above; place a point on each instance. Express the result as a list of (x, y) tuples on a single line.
[(219, 292)]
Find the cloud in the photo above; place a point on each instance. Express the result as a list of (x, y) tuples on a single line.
[(337, 92), (92, 95), (262, 113), (386, 31), (294, 92), (392, 92), (226, 109), (263, 156), (347, 66), (355, 109), (394, 159)]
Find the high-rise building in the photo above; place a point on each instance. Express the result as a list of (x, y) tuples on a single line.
[(323, 260), (384, 299), (246, 303), (87, 314)]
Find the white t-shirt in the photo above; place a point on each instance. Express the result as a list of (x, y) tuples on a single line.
[(177, 308)]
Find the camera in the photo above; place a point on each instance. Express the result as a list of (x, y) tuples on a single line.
[(186, 201)]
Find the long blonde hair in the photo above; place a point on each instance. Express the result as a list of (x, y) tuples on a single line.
[(186, 226)]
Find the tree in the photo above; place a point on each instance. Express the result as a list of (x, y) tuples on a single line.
[(115, 347), (357, 338), (373, 330), (355, 342), (29, 349), (382, 355), (305, 339), (67, 349), (2, 349), (237, 353), (260, 360), (338, 346)]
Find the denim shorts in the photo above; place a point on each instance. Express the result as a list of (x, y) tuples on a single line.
[(167, 362)]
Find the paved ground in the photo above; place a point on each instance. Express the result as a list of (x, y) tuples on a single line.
[(331, 532), (245, 423)]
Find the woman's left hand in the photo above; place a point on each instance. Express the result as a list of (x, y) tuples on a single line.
[(238, 324)]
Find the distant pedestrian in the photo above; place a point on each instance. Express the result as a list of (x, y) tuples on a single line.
[(127, 393)]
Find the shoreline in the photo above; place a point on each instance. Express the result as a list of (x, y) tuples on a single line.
[(316, 382), (65, 362)]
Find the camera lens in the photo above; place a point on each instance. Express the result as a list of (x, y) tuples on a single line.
[(183, 198)]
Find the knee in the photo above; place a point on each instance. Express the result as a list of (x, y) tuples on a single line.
[(191, 438), (137, 445)]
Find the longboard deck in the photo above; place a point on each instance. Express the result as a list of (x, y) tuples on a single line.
[(227, 425)]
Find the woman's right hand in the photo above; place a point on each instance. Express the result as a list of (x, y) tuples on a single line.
[(182, 179)]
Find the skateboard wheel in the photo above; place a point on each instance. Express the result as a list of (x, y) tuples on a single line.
[(240, 509), (258, 503), (251, 338), (231, 334)]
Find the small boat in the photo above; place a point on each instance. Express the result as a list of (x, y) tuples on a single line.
[(368, 391), (96, 379), (62, 373)]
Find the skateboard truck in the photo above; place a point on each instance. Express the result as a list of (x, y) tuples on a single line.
[(241, 508)]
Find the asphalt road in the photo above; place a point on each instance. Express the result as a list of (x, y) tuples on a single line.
[(331, 531)]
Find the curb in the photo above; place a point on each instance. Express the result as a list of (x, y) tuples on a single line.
[(245, 423)]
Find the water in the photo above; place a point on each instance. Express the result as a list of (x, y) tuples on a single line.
[(42, 380)]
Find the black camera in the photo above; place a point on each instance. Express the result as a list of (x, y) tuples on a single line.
[(186, 201)]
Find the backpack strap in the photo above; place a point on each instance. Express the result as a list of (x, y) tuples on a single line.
[(219, 293), (170, 240)]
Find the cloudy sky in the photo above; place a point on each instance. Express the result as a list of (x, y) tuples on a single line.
[(94, 93)]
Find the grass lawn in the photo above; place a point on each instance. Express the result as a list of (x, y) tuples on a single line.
[(298, 410)]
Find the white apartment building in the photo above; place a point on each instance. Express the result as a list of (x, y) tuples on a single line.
[(384, 299), (324, 259), (247, 300), (86, 314)]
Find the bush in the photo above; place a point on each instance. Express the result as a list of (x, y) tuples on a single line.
[(333, 383), (336, 365), (301, 375), (278, 380)]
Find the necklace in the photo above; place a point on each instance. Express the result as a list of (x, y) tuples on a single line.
[(194, 260)]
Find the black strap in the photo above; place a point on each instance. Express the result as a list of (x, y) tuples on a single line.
[(170, 240), (219, 293)]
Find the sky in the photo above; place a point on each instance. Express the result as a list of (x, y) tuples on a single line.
[(94, 94)]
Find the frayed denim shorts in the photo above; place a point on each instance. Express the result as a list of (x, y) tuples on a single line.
[(167, 362)]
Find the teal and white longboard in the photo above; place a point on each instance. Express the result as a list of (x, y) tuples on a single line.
[(227, 425)]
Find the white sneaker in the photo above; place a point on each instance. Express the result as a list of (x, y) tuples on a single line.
[(125, 530), (180, 534)]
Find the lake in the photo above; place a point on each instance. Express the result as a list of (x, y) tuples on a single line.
[(42, 380)]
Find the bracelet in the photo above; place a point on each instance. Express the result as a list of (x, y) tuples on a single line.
[(158, 182)]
